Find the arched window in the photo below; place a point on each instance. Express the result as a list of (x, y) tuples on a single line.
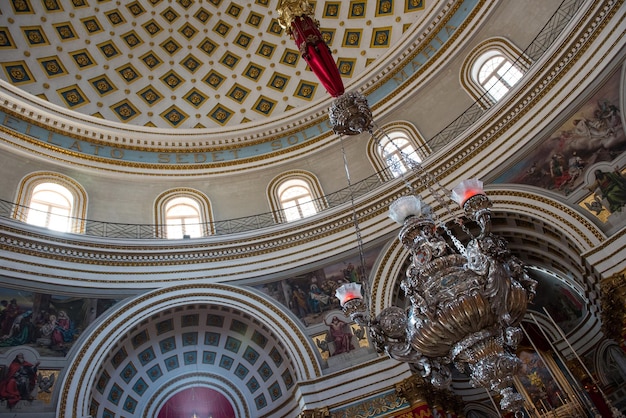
[(295, 195), (296, 200), (50, 207), (53, 201), (497, 75), (492, 69), (393, 153), (398, 152), (183, 213), (182, 218)]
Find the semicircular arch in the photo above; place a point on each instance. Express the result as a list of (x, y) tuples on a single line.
[(122, 332)]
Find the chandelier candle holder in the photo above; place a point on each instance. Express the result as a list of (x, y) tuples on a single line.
[(465, 306)]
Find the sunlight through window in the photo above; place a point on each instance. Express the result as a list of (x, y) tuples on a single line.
[(50, 207)]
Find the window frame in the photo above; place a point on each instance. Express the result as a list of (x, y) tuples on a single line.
[(78, 205), (395, 130), (300, 178), (202, 205), (476, 59)]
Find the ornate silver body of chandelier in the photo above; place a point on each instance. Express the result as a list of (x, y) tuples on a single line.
[(465, 305)]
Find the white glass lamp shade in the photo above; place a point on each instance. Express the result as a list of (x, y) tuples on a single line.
[(347, 292), (467, 189), (407, 206)]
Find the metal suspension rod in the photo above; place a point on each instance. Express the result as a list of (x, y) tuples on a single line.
[(579, 392), (359, 239)]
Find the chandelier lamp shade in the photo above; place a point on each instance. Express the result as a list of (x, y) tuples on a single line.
[(466, 300)]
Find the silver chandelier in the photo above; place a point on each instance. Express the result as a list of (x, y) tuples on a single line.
[(466, 305)]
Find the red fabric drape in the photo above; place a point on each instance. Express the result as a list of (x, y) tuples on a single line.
[(317, 54), (598, 400)]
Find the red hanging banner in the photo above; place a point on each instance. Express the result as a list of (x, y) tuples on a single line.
[(295, 17)]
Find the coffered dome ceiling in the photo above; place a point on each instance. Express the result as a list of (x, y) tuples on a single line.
[(186, 63)]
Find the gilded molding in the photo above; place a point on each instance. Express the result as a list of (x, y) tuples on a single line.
[(613, 306)]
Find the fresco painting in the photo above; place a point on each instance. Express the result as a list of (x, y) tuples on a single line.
[(542, 390), (48, 323), (594, 134), (34, 326), (310, 296)]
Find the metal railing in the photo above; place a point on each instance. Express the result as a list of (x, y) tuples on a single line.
[(118, 230), (539, 45)]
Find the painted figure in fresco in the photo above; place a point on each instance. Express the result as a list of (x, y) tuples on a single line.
[(48, 327), (341, 335), (612, 186), (575, 166), (63, 331), (298, 302), (557, 171), (317, 298), (350, 273), (595, 134), (22, 331), (9, 313), (20, 381)]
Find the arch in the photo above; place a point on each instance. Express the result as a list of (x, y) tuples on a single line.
[(392, 144), (512, 57), (74, 208), (479, 410), (295, 195), (193, 217), (230, 391), (105, 340), (610, 363)]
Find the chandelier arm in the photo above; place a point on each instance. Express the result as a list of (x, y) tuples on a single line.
[(428, 181)]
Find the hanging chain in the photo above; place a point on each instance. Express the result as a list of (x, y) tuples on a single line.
[(355, 219)]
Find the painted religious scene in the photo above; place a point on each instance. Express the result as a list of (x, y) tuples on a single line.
[(585, 155), (48, 323), (311, 297), (539, 384), (36, 325), (312, 294)]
